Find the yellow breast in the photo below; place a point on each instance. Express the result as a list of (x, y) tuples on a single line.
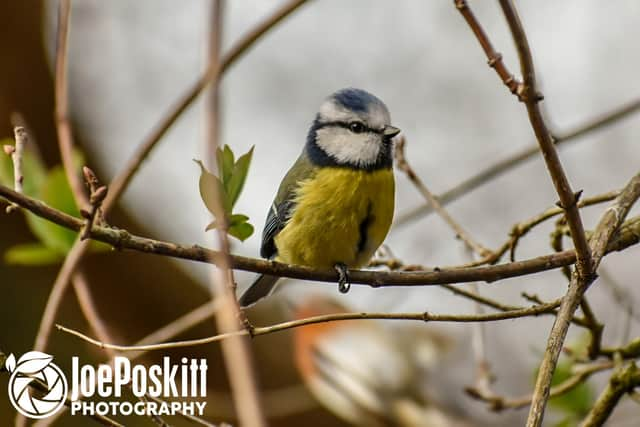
[(341, 216)]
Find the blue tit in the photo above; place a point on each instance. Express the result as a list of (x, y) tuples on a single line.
[(335, 205)]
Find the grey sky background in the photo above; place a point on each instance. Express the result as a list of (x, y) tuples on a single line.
[(129, 60)]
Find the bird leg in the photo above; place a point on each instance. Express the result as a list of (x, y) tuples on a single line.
[(343, 277)]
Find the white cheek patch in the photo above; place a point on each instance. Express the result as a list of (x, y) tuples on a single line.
[(346, 147)]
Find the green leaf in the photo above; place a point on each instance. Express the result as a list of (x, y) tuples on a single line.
[(241, 231), (208, 184), (225, 160), (32, 254), (239, 176), (56, 193), (237, 219), (35, 174), (234, 220), (227, 164)]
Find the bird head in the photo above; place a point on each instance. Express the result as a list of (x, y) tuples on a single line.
[(352, 129)]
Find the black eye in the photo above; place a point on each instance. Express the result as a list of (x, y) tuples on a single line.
[(356, 127)]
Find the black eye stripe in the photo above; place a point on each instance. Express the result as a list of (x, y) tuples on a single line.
[(346, 125)]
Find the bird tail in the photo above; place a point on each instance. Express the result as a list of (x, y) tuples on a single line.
[(262, 287)]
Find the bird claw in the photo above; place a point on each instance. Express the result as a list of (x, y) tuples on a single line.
[(343, 277)]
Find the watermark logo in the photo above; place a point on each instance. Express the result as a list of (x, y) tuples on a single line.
[(38, 388), (32, 402)]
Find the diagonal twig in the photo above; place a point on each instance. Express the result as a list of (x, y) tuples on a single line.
[(63, 127), (531, 98), (610, 222), (121, 181), (502, 166), (403, 165)]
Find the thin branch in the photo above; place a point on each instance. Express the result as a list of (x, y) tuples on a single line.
[(461, 233), (623, 381), (88, 307), (16, 153), (58, 290), (63, 127), (494, 58), (97, 196), (610, 222), (531, 98), (510, 162), (236, 351), (499, 403), (522, 228), (396, 264), (528, 93), (212, 73), (121, 239), (535, 310), (630, 351), (121, 181), (65, 141)]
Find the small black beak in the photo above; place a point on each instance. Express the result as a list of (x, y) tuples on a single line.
[(390, 131)]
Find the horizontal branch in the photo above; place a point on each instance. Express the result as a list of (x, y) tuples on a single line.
[(122, 239), (263, 330)]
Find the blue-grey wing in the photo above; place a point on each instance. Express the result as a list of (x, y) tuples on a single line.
[(284, 204)]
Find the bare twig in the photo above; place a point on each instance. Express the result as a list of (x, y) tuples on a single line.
[(57, 291), (88, 307), (629, 351), (499, 403), (528, 93), (609, 223), (623, 381), (494, 58), (403, 165), (236, 350), (522, 228), (121, 181), (510, 162), (396, 264), (97, 196), (531, 98), (16, 153), (535, 310), (63, 127), (212, 73), (121, 239)]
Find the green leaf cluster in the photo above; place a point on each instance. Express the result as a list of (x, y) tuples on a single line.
[(51, 187), (229, 185)]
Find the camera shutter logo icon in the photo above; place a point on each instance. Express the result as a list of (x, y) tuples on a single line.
[(36, 402)]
